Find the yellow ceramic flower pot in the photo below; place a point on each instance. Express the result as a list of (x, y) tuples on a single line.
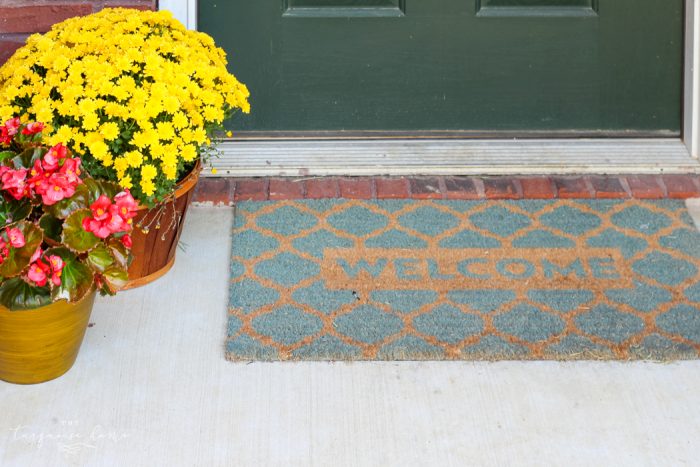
[(42, 344)]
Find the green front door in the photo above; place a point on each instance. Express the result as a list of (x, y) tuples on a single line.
[(481, 67)]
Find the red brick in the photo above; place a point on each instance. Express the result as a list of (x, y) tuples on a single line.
[(572, 187), (8, 44), (537, 188), (681, 186), (646, 186), (462, 188), (251, 189), (137, 4), (38, 18), (425, 188), (502, 188), (285, 188), (608, 187), (214, 190), (317, 188), (356, 188), (392, 188)]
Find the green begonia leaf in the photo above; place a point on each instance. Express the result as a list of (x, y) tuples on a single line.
[(110, 261), (26, 159), (51, 226), (119, 252), (65, 207), (74, 236), (14, 211), (100, 258), (115, 278), (16, 294), (18, 258), (101, 187), (76, 278)]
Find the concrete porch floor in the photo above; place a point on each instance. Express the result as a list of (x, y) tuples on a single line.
[(151, 387)]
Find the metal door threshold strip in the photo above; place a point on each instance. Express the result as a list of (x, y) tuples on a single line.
[(454, 157)]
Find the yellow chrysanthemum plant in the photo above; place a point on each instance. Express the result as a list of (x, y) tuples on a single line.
[(133, 93)]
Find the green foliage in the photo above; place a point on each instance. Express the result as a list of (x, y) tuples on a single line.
[(115, 278), (76, 279), (11, 212), (100, 258), (18, 258), (74, 236), (80, 200), (16, 294), (52, 228), (26, 158), (110, 260), (101, 187)]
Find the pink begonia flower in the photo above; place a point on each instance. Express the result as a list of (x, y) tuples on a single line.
[(4, 250), (71, 169), (13, 125), (5, 137), (108, 218), (59, 150), (57, 265), (16, 237), (99, 229), (33, 128), (50, 161), (128, 207), (126, 241), (38, 273), (36, 255), (116, 223), (100, 208), (58, 189), (15, 182)]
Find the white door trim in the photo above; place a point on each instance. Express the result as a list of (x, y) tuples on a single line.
[(691, 114), (184, 10), (465, 156)]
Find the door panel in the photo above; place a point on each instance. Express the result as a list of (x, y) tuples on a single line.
[(537, 67), (537, 7), (344, 8)]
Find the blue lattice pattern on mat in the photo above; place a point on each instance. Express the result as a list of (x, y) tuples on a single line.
[(434, 280)]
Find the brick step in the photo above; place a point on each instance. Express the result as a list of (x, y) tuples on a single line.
[(228, 190)]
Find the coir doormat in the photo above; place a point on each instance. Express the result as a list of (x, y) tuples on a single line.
[(451, 280)]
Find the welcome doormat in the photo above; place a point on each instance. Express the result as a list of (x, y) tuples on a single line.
[(464, 280)]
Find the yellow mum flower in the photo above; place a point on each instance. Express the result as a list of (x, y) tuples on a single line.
[(99, 150), (120, 165), (109, 130), (134, 158), (126, 182), (64, 135), (180, 121), (90, 121), (170, 171), (148, 187), (165, 130), (188, 153), (148, 172)]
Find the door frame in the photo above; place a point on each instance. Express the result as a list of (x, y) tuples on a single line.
[(398, 157)]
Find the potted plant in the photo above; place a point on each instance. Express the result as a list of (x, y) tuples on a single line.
[(139, 98), (63, 237)]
